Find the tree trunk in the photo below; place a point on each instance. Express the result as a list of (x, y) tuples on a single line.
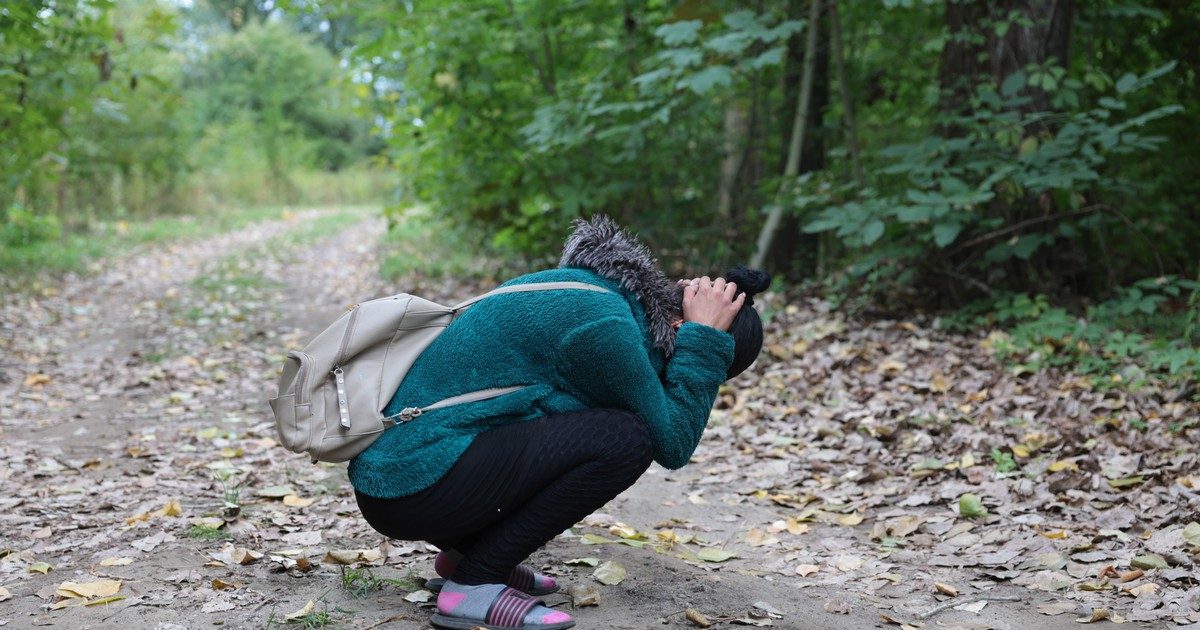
[(781, 237), (980, 48), (839, 59), (736, 129)]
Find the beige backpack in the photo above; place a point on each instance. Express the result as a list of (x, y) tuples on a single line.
[(332, 393)]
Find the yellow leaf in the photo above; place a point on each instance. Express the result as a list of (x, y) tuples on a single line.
[(34, 380), (624, 531), (796, 528), (945, 589), (99, 588), (221, 585), (1020, 450), (292, 500), (303, 612), (115, 562), (40, 567), (1149, 588), (103, 600), (968, 461), (893, 366), (172, 508), (229, 452), (1063, 464), (851, 520), (208, 433), (938, 384), (137, 518), (1061, 534)]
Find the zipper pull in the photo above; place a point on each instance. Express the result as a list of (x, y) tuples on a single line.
[(408, 413), (343, 407)]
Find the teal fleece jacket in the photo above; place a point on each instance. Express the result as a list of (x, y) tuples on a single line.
[(574, 350)]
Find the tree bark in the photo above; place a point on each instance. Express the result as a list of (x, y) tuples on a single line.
[(799, 125), (839, 59), (736, 130), (980, 49)]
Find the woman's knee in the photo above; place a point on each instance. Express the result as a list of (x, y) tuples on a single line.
[(631, 439)]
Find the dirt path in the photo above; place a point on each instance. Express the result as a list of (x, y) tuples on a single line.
[(132, 415)]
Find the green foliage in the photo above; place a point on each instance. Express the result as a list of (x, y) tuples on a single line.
[(1004, 461), (1146, 331), (201, 532), (1005, 188), (23, 228), (359, 582)]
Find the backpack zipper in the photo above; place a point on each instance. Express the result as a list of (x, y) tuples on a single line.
[(340, 383), (340, 376)]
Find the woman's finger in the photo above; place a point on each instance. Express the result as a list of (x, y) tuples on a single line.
[(731, 291), (719, 286)]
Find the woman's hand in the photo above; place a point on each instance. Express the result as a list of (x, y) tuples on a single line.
[(711, 302)]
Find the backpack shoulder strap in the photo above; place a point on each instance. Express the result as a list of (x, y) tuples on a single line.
[(535, 286)]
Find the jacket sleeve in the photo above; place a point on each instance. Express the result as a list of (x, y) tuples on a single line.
[(605, 363)]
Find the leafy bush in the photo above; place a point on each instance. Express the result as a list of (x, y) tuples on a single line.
[(1147, 331), (977, 208), (22, 227)]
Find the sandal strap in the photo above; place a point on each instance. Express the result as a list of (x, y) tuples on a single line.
[(522, 578), (509, 608)]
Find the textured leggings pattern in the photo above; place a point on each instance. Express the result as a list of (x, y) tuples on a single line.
[(517, 487)]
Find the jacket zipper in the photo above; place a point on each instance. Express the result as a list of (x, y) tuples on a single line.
[(409, 413)]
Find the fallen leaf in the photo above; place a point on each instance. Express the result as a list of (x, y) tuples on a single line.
[(33, 380), (1149, 561), (1191, 533), (98, 588), (1130, 576), (116, 562), (806, 570), (241, 555), (970, 506), (697, 619), (1098, 614), (610, 573), (4, 594), (1149, 588), (39, 567), (221, 585), (1063, 464), (712, 554), (576, 562), (584, 595), (305, 611), (419, 597), (945, 589), (1126, 482), (974, 607), (275, 492), (838, 606), (851, 520), (847, 562), (172, 508), (292, 500)]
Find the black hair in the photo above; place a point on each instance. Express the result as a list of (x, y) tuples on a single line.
[(746, 328)]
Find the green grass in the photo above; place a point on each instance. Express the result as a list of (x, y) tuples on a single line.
[(200, 532), (420, 243)]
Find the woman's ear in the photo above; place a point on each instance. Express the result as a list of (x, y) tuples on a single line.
[(676, 322)]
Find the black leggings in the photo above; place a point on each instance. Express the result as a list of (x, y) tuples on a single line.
[(517, 487)]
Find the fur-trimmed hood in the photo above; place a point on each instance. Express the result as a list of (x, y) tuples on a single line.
[(600, 245)]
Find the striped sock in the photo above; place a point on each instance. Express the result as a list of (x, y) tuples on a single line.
[(495, 604)]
